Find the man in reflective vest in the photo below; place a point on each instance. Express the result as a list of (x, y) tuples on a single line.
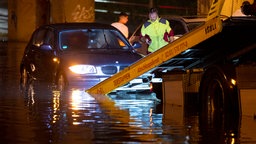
[(156, 31)]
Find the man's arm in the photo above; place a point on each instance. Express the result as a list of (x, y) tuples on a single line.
[(169, 36)]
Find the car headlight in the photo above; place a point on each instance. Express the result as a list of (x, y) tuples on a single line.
[(83, 69)]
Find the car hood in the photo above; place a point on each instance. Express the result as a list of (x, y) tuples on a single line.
[(99, 57)]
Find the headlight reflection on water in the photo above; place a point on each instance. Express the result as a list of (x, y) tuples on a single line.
[(78, 102), (78, 98), (56, 105)]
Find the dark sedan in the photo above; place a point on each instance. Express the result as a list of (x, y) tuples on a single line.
[(78, 53)]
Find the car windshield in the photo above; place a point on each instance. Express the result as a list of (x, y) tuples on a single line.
[(84, 39)]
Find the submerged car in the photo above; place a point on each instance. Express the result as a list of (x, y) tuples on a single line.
[(78, 53)]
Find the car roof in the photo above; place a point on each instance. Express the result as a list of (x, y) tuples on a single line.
[(79, 25), (186, 19)]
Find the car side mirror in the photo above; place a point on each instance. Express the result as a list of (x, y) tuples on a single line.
[(46, 47), (136, 45)]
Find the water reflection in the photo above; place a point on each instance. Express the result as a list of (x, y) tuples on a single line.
[(76, 116), (75, 111)]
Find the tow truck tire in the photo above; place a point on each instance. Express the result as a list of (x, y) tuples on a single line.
[(218, 98), (217, 91)]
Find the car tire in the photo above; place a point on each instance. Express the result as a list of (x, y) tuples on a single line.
[(218, 99)]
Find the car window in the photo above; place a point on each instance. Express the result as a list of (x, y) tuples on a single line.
[(38, 38), (49, 38), (138, 31), (193, 25), (178, 27), (91, 39)]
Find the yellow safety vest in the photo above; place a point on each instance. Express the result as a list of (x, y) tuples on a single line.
[(156, 30)]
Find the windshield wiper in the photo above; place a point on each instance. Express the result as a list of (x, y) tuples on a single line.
[(106, 42)]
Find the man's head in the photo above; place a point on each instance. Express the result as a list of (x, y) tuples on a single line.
[(123, 17), (153, 14)]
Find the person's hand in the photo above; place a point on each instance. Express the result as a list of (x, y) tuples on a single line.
[(148, 41), (171, 39)]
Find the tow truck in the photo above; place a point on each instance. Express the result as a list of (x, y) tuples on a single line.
[(216, 60)]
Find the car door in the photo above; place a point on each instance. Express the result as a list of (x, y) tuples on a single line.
[(41, 54), (135, 37)]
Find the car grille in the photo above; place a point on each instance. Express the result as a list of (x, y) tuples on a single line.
[(122, 67), (109, 69)]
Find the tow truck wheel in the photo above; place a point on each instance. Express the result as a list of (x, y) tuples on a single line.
[(218, 97)]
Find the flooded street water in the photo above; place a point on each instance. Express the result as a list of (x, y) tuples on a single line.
[(39, 114)]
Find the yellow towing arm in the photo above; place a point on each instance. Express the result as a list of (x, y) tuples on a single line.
[(212, 26)]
